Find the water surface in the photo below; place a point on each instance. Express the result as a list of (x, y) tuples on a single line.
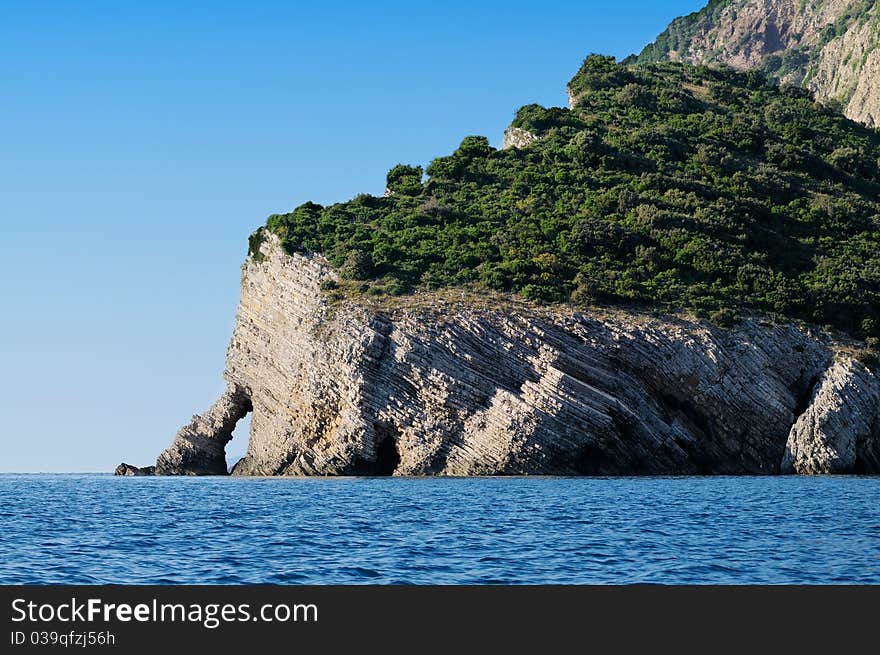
[(103, 529)]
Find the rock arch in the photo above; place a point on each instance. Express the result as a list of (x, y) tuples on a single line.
[(199, 448)]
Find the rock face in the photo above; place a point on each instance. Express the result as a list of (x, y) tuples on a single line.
[(838, 431), (831, 47), (448, 384)]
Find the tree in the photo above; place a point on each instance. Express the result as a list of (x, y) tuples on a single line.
[(404, 180)]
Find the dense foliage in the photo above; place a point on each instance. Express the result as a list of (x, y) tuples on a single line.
[(667, 185)]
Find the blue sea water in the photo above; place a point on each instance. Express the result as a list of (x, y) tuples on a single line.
[(104, 529)]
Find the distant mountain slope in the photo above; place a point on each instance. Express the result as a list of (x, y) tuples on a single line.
[(831, 47)]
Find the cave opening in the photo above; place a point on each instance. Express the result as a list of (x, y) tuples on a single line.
[(384, 459), (387, 456), (590, 460), (859, 467)]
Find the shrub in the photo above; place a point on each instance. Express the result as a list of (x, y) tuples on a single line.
[(358, 265), (405, 180), (724, 317), (474, 146)]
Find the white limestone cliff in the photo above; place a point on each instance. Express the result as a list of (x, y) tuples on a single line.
[(451, 384)]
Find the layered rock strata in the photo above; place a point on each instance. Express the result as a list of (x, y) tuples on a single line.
[(452, 384)]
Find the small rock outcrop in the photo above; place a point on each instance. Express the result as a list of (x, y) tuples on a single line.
[(838, 431), (445, 383), (517, 137), (129, 470)]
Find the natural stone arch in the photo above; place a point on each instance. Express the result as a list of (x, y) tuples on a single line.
[(199, 448)]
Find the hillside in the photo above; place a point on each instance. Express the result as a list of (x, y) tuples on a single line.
[(489, 318), (831, 47), (666, 185)]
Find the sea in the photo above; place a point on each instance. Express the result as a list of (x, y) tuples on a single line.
[(100, 529)]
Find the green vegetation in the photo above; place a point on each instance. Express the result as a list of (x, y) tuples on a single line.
[(668, 185)]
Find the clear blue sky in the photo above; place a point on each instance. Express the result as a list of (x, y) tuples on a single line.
[(143, 141)]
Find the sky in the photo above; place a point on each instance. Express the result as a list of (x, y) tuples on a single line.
[(142, 142)]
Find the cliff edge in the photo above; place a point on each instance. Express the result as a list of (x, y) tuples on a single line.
[(449, 384)]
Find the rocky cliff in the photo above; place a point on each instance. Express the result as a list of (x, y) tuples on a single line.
[(444, 383), (831, 47)]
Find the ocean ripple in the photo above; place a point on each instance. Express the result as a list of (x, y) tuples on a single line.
[(100, 529)]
